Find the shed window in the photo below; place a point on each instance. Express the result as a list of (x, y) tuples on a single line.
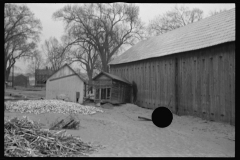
[(105, 93)]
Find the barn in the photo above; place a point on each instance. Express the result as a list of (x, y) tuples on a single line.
[(65, 83), (193, 66), (111, 88)]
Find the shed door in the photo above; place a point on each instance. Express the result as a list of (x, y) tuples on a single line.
[(103, 93), (77, 96)]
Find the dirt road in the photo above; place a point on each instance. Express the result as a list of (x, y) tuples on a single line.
[(124, 135)]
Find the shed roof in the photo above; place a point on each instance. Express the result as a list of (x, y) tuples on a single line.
[(207, 32), (70, 69), (112, 77)]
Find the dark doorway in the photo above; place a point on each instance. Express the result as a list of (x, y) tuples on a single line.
[(77, 96)]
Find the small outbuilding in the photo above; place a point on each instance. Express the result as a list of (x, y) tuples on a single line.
[(65, 83), (111, 88), (21, 80)]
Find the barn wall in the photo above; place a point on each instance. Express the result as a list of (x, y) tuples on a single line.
[(200, 83), (68, 86)]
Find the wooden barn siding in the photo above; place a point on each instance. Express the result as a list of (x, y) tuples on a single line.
[(205, 82)]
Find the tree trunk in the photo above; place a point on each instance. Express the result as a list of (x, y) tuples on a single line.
[(104, 65), (105, 68), (7, 73), (89, 73), (103, 57)]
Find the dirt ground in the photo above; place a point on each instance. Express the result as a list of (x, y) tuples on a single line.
[(124, 135), (29, 93)]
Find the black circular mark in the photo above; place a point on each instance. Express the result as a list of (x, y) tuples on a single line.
[(162, 117)]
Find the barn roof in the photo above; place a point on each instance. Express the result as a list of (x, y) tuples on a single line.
[(71, 70), (207, 32), (112, 77)]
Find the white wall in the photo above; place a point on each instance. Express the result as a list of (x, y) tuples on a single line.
[(68, 86)]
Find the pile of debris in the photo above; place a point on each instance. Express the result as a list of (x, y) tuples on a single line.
[(26, 138), (69, 122), (44, 106)]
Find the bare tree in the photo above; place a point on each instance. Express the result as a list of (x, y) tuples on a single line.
[(36, 62), (211, 13), (106, 27), (21, 32), (177, 17), (88, 58), (56, 52)]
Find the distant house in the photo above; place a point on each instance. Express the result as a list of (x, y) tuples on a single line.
[(65, 82), (41, 76), (111, 88), (21, 80), (190, 70)]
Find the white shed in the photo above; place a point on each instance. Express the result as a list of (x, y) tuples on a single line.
[(67, 82)]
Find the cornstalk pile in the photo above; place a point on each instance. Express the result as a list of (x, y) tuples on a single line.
[(54, 106), (24, 138)]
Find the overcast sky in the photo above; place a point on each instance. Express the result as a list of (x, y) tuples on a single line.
[(147, 11)]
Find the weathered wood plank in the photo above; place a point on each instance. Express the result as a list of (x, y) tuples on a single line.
[(222, 87), (176, 85), (151, 84), (232, 70), (160, 82), (145, 83), (193, 85), (216, 87), (179, 85), (203, 83), (187, 85), (156, 83), (190, 99), (165, 82), (198, 89), (148, 84), (173, 86), (168, 82), (193, 71), (183, 71), (207, 87), (211, 81), (139, 82)]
